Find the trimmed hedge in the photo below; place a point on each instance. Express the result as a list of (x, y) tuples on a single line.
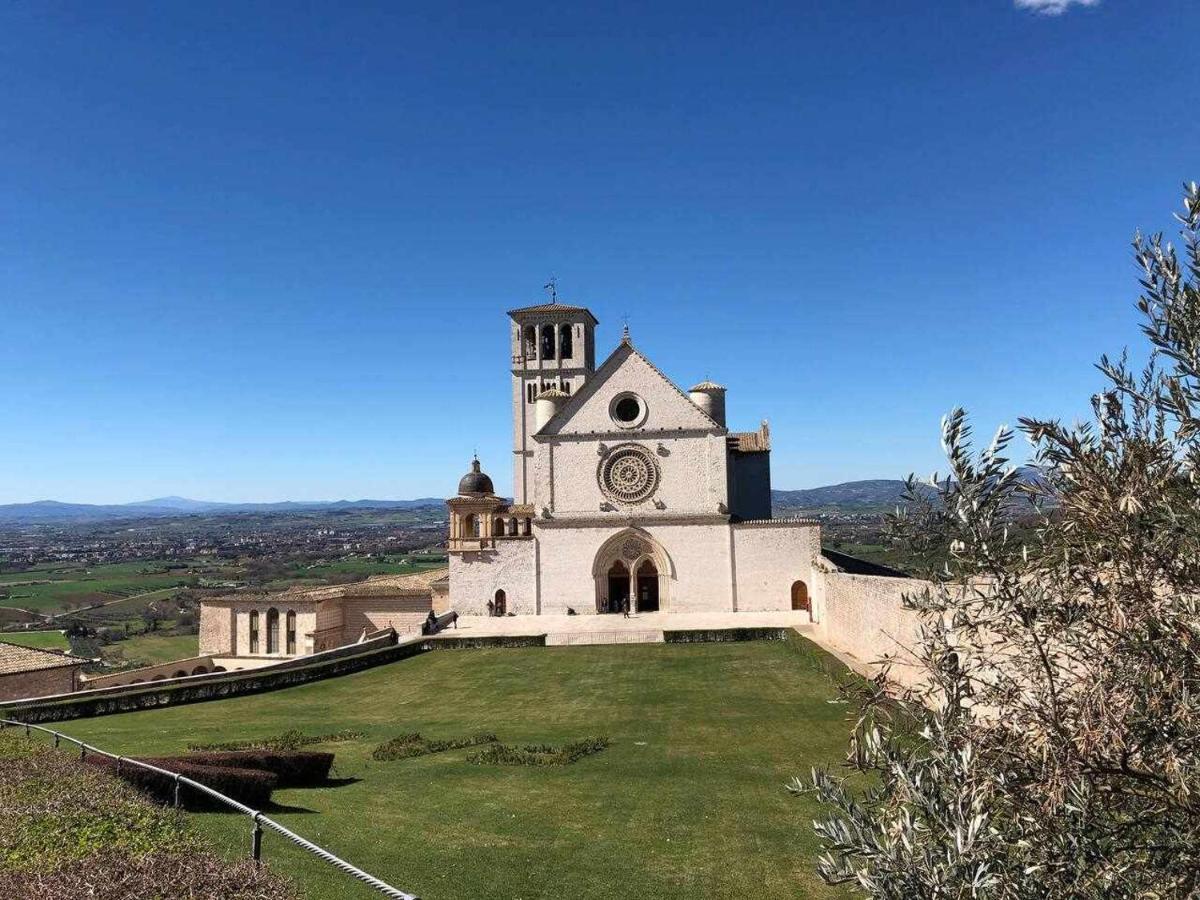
[(723, 635), (289, 740), (293, 768), (444, 642), (252, 787), (538, 754), (406, 746)]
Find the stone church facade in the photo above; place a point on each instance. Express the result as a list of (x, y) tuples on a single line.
[(626, 489)]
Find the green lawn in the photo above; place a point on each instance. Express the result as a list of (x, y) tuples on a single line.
[(43, 640), (687, 802), (150, 649)]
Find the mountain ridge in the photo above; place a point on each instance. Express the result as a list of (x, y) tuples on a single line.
[(848, 496)]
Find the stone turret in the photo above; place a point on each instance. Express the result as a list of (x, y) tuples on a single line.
[(710, 397), (546, 405)]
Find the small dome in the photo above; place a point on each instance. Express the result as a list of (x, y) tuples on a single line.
[(707, 386), (475, 481)]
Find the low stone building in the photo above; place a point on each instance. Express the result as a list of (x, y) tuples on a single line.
[(29, 672), (301, 621)]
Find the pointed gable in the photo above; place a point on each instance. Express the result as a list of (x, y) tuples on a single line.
[(627, 371)]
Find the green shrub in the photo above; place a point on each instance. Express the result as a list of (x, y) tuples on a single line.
[(289, 740), (409, 745), (538, 754)]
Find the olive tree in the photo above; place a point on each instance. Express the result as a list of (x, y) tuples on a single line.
[(1052, 745)]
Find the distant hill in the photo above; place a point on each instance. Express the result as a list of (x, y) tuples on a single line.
[(54, 511), (850, 496)]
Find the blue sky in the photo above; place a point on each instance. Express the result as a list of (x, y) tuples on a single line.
[(256, 251)]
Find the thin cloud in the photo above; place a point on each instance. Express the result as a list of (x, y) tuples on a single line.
[(1053, 7)]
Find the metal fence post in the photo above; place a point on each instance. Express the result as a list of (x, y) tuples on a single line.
[(176, 789), (56, 740), (82, 751), (256, 840), (118, 766)]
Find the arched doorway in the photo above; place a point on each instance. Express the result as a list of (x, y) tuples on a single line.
[(800, 599), (500, 604), (647, 587), (632, 565), (618, 587)]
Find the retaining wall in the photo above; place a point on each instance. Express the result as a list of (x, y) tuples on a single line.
[(216, 685), (864, 617), (193, 665)]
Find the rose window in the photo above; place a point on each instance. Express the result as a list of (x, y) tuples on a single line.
[(629, 474)]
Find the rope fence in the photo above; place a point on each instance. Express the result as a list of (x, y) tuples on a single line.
[(258, 820)]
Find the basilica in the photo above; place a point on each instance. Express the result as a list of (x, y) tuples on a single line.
[(629, 493)]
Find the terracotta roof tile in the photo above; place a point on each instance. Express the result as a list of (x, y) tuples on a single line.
[(14, 659)]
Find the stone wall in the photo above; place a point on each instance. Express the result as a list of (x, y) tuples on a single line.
[(769, 557), (217, 629), (215, 685), (864, 617), (510, 567), (178, 668), (39, 682), (403, 614)]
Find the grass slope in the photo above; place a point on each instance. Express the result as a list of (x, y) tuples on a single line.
[(42, 640), (68, 830), (687, 801), (151, 649)]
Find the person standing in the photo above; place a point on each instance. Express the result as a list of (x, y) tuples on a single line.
[(625, 607)]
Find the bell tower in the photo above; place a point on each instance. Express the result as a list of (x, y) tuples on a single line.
[(553, 347)]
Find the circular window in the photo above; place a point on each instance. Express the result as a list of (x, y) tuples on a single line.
[(629, 474), (628, 410)]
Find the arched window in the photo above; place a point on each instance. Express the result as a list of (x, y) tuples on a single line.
[(254, 631), (291, 632), (547, 342), (471, 526), (565, 345), (512, 526), (498, 528), (530, 342), (272, 630), (526, 530), (500, 605)]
